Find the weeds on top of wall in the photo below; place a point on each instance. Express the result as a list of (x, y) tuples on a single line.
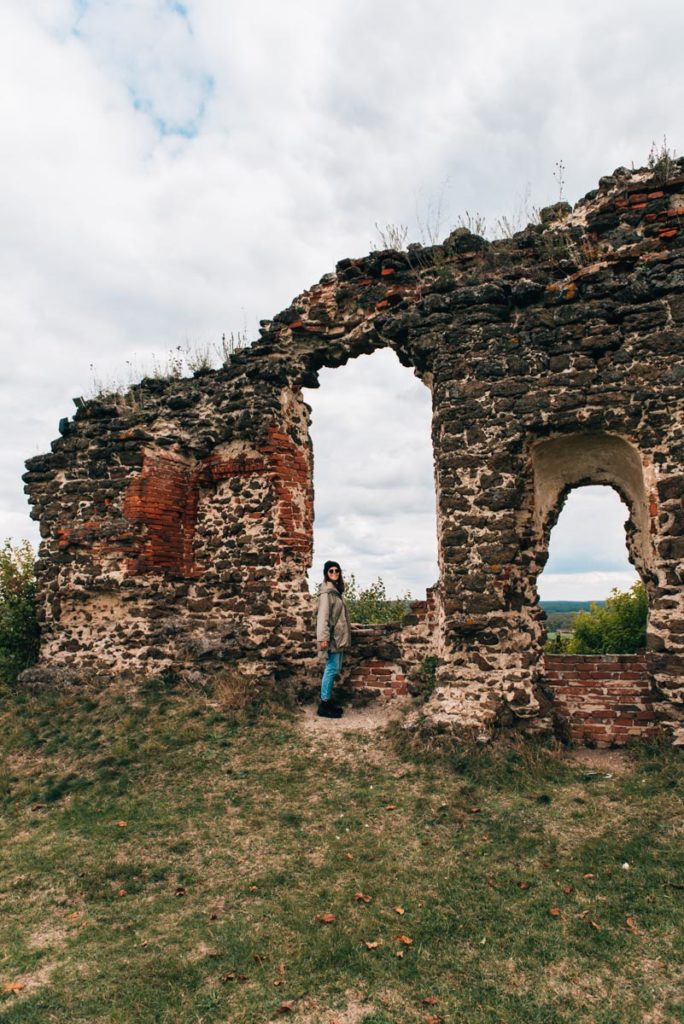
[(182, 361), (19, 634), (662, 160)]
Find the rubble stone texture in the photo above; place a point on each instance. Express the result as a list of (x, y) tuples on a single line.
[(176, 521)]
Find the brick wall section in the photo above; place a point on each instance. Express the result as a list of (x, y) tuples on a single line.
[(599, 700), (606, 700), (161, 499), (164, 499), (375, 676), (294, 492)]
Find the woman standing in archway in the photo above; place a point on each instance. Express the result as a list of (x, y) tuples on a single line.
[(333, 633)]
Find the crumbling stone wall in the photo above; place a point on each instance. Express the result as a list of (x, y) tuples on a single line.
[(177, 522)]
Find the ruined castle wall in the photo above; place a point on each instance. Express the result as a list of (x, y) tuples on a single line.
[(177, 525)]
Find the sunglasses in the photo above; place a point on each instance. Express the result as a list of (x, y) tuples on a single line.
[(331, 571)]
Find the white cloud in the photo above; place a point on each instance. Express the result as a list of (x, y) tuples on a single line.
[(583, 586), (174, 170)]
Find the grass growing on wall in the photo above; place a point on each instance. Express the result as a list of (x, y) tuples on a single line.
[(164, 859)]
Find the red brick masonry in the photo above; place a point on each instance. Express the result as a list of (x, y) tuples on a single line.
[(605, 698)]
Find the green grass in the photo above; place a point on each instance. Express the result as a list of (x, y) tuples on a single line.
[(165, 860)]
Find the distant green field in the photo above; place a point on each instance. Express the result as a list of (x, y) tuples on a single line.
[(559, 614)]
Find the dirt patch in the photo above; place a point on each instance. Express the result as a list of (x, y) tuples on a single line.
[(354, 1013), (603, 762), (366, 719), (25, 984)]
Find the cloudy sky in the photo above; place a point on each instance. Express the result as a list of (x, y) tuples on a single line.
[(172, 171)]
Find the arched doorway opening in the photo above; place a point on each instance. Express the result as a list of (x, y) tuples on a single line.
[(374, 494), (601, 694), (588, 562)]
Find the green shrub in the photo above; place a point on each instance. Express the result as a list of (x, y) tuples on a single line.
[(19, 635), (616, 627), (372, 605)]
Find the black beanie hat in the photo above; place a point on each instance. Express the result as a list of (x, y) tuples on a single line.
[(331, 565)]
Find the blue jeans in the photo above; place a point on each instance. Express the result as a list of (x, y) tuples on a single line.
[(333, 665)]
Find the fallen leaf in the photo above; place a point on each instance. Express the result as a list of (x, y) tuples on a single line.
[(362, 898), (213, 917), (76, 914), (400, 954), (287, 1006), (405, 939), (229, 976), (281, 969), (595, 925), (349, 856), (13, 986), (371, 945), (325, 918), (631, 924), (555, 912), (122, 892), (430, 1001), (243, 977), (37, 806), (390, 807), (434, 1020), (588, 875), (523, 885), (180, 890), (474, 810), (252, 888), (122, 824), (258, 959), (399, 910), (567, 889), (278, 982)]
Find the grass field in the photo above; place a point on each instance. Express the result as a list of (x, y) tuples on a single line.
[(168, 860)]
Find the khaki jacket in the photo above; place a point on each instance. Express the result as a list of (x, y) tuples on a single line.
[(332, 623)]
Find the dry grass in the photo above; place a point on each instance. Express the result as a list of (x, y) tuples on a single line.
[(166, 858)]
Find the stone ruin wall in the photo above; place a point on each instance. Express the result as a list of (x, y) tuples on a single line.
[(176, 521)]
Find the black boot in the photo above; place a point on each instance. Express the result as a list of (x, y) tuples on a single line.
[(326, 709)]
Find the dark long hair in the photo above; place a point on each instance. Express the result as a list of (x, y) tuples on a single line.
[(339, 582)]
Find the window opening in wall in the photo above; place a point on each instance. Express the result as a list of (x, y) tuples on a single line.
[(374, 504), (588, 561)]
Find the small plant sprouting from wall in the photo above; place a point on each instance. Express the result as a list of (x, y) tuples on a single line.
[(391, 236), (423, 681), (559, 177), (181, 361), (662, 160)]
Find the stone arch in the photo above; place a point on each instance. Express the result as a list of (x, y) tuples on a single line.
[(563, 463)]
